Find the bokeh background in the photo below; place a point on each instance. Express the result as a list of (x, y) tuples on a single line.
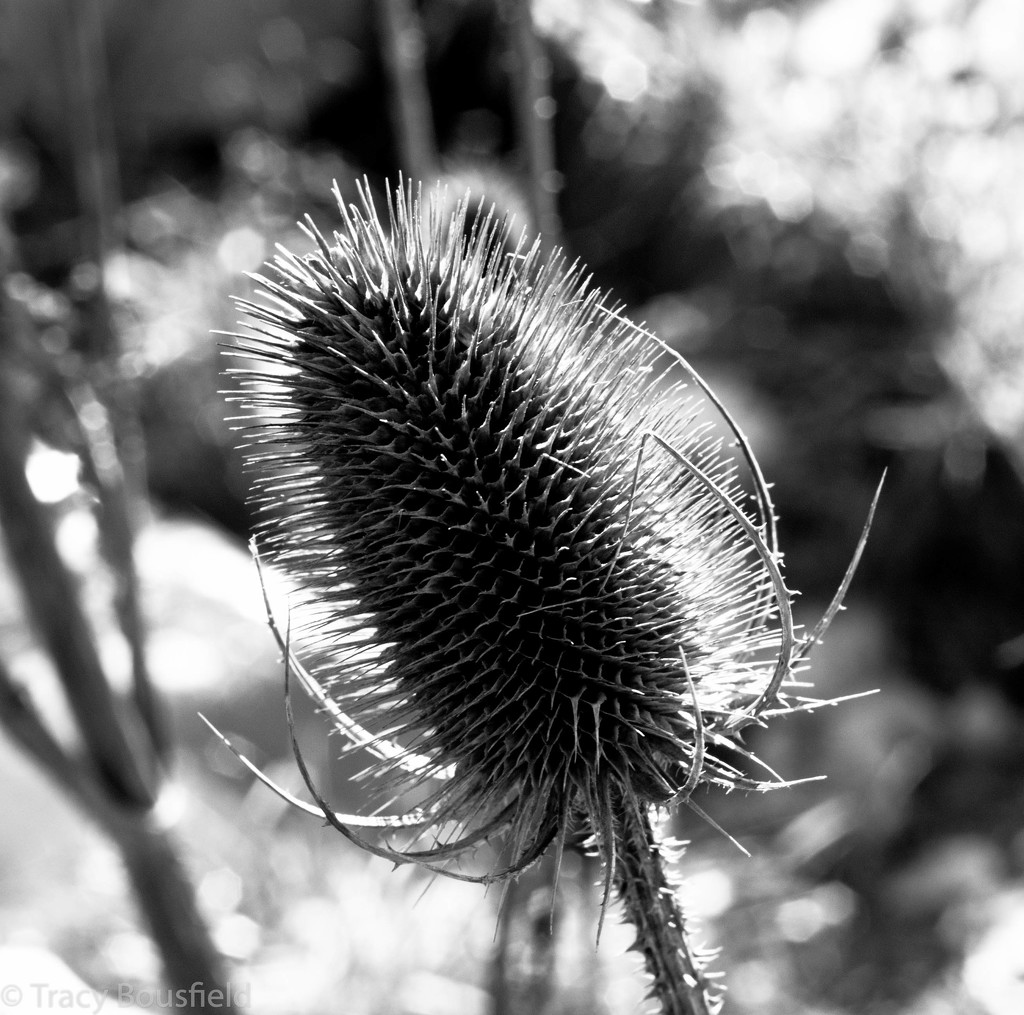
[(819, 203)]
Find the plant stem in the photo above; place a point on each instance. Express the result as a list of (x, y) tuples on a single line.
[(403, 46), (166, 898), (523, 971), (114, 459), (162, 886), (26, 728), (535, 112), (93, 152), (651, 906), (102, 469), (118, 780), (53, 605)]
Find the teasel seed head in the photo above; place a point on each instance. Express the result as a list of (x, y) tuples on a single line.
[(530, 583)]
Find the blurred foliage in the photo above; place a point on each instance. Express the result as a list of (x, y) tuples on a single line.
[(817, 202)]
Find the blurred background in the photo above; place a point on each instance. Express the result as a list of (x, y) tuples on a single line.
[(818, 202)]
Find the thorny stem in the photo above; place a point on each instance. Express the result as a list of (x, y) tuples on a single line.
[(649, 899)]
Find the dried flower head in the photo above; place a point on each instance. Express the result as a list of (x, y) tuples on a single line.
[(532, 586)]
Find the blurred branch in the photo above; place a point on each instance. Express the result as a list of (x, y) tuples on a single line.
[(154, 867), (166, 897), (117, 783), (90, 132), (403, 46), (542, 963), (523, 973), (26, 728), (116, 463), (119, 780), (52, 602), (103, 470), (535, 117)]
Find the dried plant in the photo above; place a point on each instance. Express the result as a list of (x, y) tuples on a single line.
[(531, 585)]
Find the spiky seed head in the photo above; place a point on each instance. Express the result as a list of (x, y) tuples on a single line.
[(525, 581)]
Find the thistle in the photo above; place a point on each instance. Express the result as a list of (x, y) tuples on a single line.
[(531, 585)]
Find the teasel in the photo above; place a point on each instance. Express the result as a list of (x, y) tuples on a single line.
[(530, 585)]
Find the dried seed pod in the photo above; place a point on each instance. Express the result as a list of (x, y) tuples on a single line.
[(528, 586)]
